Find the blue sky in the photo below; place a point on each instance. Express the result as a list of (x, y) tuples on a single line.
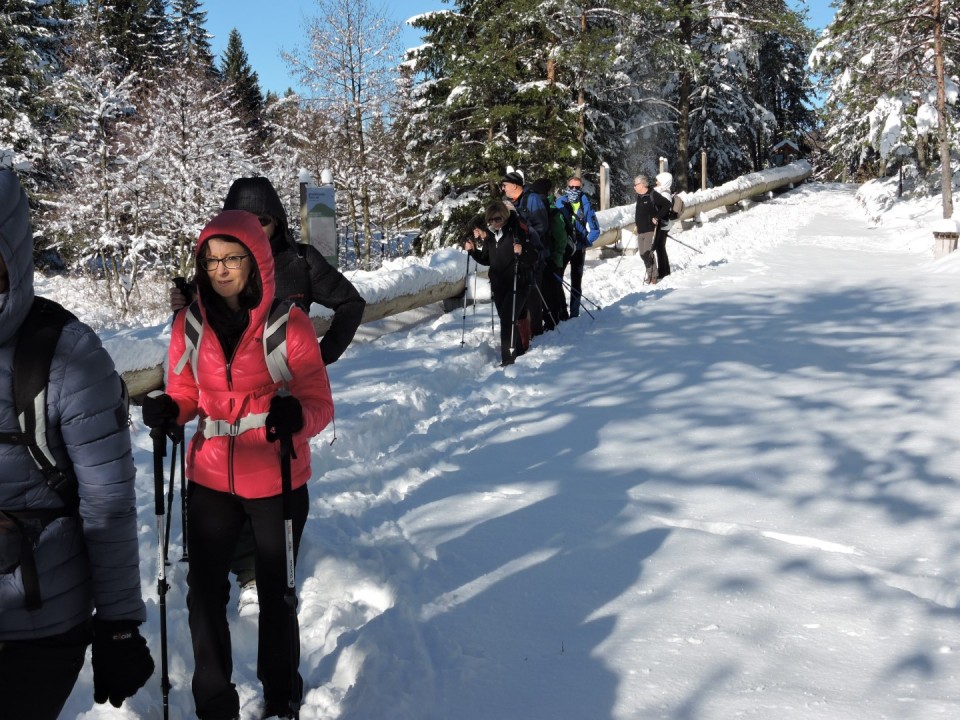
[(281, 28)]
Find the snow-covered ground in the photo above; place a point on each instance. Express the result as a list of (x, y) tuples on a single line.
[(730, 495)]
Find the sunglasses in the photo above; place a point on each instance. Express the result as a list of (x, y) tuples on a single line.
[(496, 220), (265, 220), (574, 187)]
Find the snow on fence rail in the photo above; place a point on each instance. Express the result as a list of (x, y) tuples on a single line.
[(617, 222), (410, 283)]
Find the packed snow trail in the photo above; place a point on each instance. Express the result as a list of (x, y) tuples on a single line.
[(730, 495)]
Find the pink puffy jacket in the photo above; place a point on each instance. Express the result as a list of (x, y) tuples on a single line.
[(246, 464)]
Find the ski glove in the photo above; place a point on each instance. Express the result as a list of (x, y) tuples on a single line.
[(285, 417), (121, 661), (160, 411)]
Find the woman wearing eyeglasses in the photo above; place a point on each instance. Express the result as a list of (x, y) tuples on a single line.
[(233, 464), (505, 246)]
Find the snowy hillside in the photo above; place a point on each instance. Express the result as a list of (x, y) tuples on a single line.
[(732, 494)]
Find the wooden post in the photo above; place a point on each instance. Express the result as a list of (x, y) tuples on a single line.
[(944, 243), (604, 186), (703, 169)]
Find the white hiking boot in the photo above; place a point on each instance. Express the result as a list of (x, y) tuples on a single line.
[(248, 604)]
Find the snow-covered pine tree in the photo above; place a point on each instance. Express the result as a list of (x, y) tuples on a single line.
[(137, 30), (93, 216), (714, 92), (885, 97), (27, 65), (243, 83)]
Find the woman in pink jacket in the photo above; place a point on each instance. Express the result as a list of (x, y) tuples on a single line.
[(233, 461)]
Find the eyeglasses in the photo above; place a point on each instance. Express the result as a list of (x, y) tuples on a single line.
[(265, 220), (574, 187), (231, 262), (498, 220)]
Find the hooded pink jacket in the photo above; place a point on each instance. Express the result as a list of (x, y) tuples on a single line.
[(246, 464)]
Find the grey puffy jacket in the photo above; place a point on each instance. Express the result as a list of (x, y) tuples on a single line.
[(90, 562)]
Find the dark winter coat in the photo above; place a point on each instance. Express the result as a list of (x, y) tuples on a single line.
[(499, 255), (82, 566), (534, 212), (650, 205), (583, 220), (304, 276)]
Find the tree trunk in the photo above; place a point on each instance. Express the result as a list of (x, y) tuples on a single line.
[(946, 171), (682, 174)]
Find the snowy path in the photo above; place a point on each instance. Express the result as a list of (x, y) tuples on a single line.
[(732, 495)]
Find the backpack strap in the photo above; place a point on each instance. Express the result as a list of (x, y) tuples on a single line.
[(36, 343), (192, 333), (274, 340)]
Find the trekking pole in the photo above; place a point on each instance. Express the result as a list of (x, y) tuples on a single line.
[(168, 506), (466, 281), (684, 244), (543, 303), (513, 310), (580, 295), (290, 594), (159, 451), (178, 437)]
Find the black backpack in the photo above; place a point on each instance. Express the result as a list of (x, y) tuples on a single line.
[(37, 341)]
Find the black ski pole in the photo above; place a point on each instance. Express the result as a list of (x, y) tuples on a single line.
[(543, 303), (290, 594), (580, 295), (179, 438), (466, 281), (168, 505), (159, 451), (513, 309), (684, 244)]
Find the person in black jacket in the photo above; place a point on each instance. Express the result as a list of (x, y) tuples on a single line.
[(303, 276), (652, 210), (506, 247)]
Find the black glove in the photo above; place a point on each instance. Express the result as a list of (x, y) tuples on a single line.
[(121, 661), (285, 417), (160, 411)]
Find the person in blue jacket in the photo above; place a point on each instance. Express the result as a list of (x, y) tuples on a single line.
[(69, 558), (578, 212)]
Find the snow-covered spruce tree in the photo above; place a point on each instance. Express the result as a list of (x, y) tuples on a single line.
[(93, 216), (715, 91), (545, 86), (783, 86), (889, 73), (189, 40), (27, 65), (137, 30), (244, 85), (350, 65)]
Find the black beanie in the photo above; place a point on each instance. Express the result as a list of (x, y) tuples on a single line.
[(255, 195), (513, 177)]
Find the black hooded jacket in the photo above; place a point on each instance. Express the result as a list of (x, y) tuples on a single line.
[(301, 273), (499, 255)]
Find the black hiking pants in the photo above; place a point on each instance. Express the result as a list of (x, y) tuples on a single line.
[(216, 520), (38, 675), (660, 248), (576, 259)]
